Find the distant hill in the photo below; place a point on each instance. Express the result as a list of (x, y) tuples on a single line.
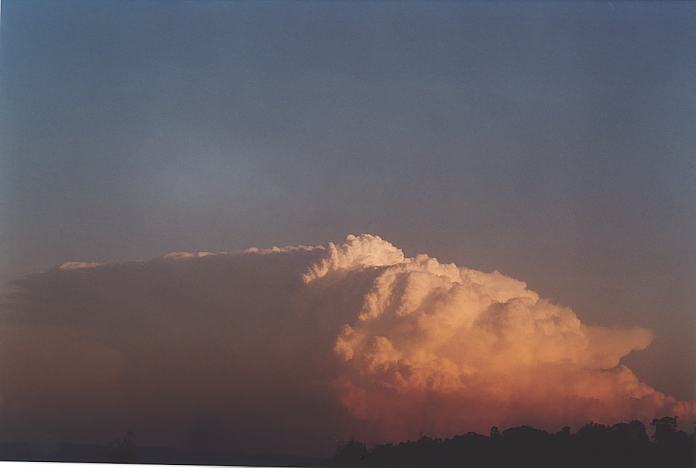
[(88, 453)]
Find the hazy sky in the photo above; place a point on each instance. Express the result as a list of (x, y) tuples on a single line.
[(554, 142)]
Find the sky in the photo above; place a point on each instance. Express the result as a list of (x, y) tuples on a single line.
[(552, 142)]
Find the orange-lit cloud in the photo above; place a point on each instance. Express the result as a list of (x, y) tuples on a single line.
[(301, 346), (435, 348)]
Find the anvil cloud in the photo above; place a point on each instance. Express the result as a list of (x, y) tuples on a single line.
[(294, 348)]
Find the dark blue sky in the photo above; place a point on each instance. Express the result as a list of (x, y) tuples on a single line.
[(554, 142)]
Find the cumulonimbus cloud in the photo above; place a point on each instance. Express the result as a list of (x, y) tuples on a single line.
[(294, 348)]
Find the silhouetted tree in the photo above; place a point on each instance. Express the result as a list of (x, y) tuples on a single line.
[(351, 453), (123, 450), (594, 445), (672, 445)]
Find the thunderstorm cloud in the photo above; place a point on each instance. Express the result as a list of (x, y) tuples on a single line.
[(294, 348)]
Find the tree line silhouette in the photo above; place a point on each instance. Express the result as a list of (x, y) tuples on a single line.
[(122, 450), (593, 445)]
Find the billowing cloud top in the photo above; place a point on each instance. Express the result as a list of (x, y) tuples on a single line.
[(293, 348)]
